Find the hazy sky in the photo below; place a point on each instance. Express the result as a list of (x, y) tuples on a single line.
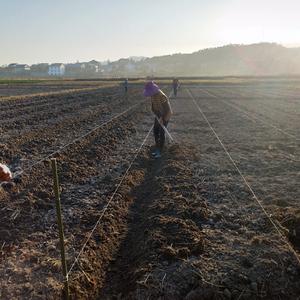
[(68, 30)]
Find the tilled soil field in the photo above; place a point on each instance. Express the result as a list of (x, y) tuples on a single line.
[(182, 227), (15, 88)]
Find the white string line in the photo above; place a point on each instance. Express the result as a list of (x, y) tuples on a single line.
[(250, 117), (108, 203), (75, 140), (67, 116), (280, 104), (174, 135), (110, 200), (284, 239)]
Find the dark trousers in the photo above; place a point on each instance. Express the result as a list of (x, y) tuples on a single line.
[(175, 89), (159, 134)]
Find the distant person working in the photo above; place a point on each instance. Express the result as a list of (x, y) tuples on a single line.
[(126, 85), (175, 85)]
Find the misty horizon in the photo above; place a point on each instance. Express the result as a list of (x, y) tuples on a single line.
[(145, 57), (260, 59)]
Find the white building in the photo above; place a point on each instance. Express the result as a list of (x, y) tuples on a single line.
[(56, 70)]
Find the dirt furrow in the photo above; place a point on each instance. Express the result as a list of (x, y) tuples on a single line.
[(244, 258), (20, 149), (24, 102), (35, 117), (163, 229), (28, 230)]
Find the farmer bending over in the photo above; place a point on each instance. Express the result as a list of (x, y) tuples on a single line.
[(162, 111)]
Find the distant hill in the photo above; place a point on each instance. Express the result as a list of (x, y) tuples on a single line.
[(263, 59)]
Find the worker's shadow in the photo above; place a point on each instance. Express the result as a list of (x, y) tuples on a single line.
[(124, 270)]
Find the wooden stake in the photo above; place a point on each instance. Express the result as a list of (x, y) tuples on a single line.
[(60, 227)]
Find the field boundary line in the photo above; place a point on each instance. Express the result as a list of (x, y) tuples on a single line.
[(249, 116), (109, 201), (76, 140), (284, 239)]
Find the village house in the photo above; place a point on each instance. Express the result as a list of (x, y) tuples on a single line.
[(56, 69), (75, 68), (94, 66), (18, 68), (83, 69)]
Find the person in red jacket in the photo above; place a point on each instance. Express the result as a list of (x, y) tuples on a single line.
[(5, 174)]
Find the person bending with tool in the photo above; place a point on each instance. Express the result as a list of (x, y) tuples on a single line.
[(162, 110)]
